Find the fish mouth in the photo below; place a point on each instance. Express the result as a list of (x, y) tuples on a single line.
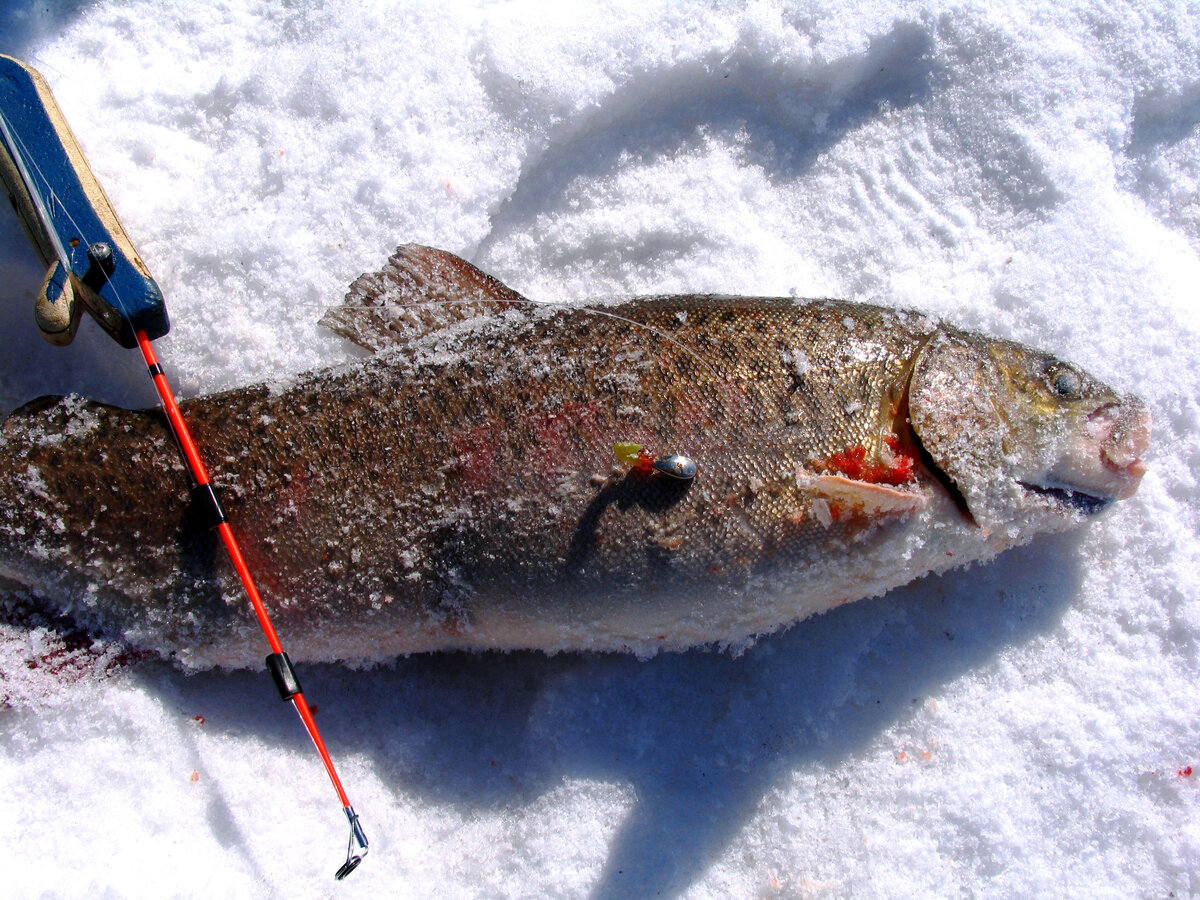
[(1103, 459), (1104, 462)]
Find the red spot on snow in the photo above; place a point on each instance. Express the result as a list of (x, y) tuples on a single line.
[(1186, 772), (78, 656), (199, 720)]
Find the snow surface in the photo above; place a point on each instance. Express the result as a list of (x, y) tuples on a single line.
[(1021, 729)]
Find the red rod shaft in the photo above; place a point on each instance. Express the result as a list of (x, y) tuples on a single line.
[(200, 476)]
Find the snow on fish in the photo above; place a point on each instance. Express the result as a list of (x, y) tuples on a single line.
[(501, 474)]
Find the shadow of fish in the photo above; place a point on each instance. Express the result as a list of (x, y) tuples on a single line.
[(459, 488)]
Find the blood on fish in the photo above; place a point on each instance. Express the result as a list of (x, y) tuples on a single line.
[(554, 430), (475, 450), (853, 464)]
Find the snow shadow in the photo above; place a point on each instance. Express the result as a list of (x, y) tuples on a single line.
[(788, 114), (1163, 117), (93, 365), (25, 24), (701, 736)]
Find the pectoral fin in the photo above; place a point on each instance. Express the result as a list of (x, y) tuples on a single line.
[(835, 495)]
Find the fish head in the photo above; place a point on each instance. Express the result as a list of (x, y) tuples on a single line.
[(1023, 440)]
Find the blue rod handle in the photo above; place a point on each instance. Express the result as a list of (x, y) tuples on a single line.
[(70, 220)]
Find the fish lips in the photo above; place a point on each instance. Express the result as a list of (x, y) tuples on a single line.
[(1104, 461)]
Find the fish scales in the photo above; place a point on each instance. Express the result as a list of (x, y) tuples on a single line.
[(459, 488)]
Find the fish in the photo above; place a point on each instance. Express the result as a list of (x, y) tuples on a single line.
[(494, 473)]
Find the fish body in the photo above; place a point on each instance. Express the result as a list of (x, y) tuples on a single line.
[(459, 489)]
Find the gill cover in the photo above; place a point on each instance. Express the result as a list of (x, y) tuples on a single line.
[(955, 421)]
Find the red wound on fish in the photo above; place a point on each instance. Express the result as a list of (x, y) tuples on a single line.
[(853, 464)]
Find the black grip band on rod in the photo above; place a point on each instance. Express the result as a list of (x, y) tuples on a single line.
[(284, 675), (205, 499)]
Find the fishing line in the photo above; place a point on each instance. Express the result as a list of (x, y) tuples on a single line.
[(18, 156), (553, 307)]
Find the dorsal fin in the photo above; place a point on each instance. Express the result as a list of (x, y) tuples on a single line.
[(419, 290)]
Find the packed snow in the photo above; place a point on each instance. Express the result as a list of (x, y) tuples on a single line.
[(1026, 728)]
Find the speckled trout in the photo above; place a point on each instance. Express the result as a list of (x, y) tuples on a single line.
[(487, 478)]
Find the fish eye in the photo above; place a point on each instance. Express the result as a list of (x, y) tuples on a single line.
[(1063, 381)]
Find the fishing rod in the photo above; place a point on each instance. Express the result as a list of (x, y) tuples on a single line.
[(92, 266)]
